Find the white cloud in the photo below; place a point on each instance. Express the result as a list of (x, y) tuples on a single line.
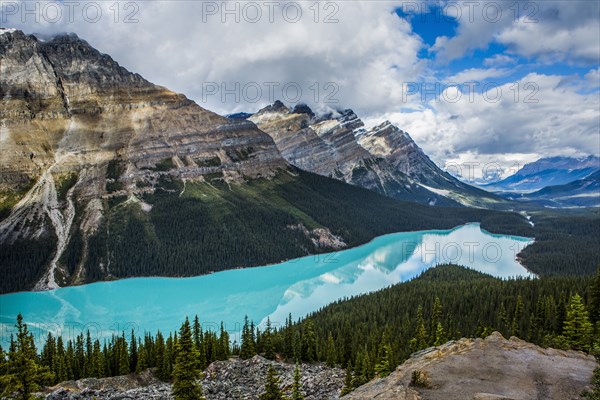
[(547, 118), (551, 30), (366, 55), (477, 75), (499, 60), (593, 78)]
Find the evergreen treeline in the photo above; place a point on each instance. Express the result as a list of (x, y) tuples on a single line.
[(369, 335), (219, 226)]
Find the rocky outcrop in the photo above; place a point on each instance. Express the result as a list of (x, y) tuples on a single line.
[(223, 380), (485, 369)]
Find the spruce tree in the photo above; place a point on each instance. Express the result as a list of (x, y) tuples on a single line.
[(123, 356), (133, 352), (419, 341), (24, 375), (515, 328), (288, 339), (224, 350), (595, 299), (160, 356), (248, 347), (436, 317), (577, 327), (348, 381), (309, 342), (384, 367), (297, 386), (268, 342), (331, 357), (185, 371), (272, 390), (199, 343), (440, 336)]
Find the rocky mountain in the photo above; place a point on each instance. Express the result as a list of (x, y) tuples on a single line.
[(550, 171), (384, 158), (580, 193), (484, 369), (77, 128), (104, 175)]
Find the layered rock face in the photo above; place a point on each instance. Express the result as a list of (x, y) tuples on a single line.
[(326, 145), (76, 128), (402, 153), (383, 158), (484, 369)]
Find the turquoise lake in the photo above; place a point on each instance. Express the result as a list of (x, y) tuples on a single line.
[(297, 286)]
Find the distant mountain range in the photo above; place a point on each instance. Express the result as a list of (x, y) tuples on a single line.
[(579, 193), (545, 172)]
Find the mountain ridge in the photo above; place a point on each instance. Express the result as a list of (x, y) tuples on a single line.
[(383, 158)]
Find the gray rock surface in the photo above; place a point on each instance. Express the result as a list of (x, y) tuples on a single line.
[(223, 380), (486, 369)]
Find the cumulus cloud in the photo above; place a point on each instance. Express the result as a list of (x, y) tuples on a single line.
[(498, 60), (477, 75), (355, 53), (535, 116), (551, 30)]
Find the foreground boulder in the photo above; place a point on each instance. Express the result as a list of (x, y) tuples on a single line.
[(485, 369)]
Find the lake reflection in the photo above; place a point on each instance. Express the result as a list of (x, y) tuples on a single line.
[(297, 286)]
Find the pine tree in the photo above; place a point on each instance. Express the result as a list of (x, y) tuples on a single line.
[(272, 390), (419, 341), (577, 327), (185, 371), (160, 356), (97, 360), (595, 298), (309, 342), (199, 343), (348, 381), (440, 335), (288, 340), (297, 386), (268, 342), (133, 353), (384, 367), (436, 317), (248, 348), (224, 350), (330, 351), (515, 328), (123, 356), (24, 374)]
